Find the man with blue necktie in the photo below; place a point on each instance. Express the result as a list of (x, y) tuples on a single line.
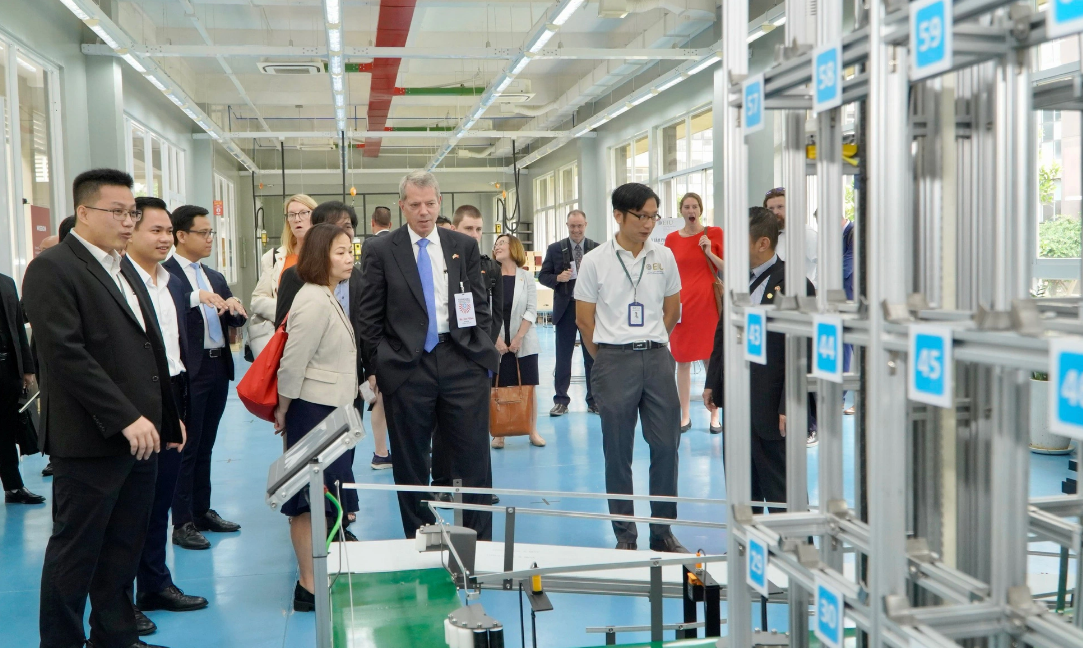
[(212, 310), (424, 327)]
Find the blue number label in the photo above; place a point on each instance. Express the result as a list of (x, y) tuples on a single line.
[(827, 363), (827, 74), (756, 335), (931, 24), (830, 611), (1066, 386), (757, 565), (930, 366), (1063, 17), (753, 104)]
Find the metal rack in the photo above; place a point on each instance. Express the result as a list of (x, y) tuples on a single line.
[(914, 267)]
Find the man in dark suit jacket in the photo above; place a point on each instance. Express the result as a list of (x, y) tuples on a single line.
[(767, 383), (211, 311), (428, 356), (17, 369), (107, 409), (558, 271)]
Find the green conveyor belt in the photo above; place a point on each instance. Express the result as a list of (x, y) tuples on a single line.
[(402, 609)]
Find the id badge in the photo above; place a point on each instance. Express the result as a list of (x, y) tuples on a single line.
[(464, 310), (635, 314)]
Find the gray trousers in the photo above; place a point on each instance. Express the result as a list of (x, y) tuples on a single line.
[(627, 384)]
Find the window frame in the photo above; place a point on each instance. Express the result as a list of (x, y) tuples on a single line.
[(224, 251), (611, 172), (547, 217), (173, 162)]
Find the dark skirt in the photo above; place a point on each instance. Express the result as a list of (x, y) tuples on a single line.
[(528, 368), (301, 417)]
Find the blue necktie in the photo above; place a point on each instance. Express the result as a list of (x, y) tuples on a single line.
[(424, 268), (214, 326)]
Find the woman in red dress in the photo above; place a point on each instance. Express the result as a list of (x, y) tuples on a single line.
[(698, 251)]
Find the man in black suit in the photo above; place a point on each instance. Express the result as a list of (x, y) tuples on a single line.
[(425, 339), (767, 383), (107, 409), (212, 309), (16, 375), (468, 220), (559, 271), (380, 221)]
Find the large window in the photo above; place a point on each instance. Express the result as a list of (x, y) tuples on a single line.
[(555, 194), (629, 162), (31, 186), (225, 228), (156, 165), (685, 163)]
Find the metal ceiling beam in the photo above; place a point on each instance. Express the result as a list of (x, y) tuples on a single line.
[(388, 134), (352, 171), (455, 53)]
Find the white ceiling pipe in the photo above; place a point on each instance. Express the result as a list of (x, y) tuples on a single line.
[(691, 9), (484, 153)]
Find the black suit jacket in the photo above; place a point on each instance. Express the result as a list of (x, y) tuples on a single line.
[(767, 383), (100, 370), (193, 357), (393, 318), (558, 258), (290, 283), (13, 320), (494, 284)]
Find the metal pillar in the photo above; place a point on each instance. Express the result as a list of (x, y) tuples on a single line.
[(319, 556)]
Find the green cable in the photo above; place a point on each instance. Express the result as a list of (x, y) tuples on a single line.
[(338, 520)]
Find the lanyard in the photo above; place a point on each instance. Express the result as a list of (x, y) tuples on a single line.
[(635, 284)]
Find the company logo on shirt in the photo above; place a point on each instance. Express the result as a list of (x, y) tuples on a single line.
[(655, 268)]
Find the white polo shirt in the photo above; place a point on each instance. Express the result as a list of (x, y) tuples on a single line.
[(602, 281)]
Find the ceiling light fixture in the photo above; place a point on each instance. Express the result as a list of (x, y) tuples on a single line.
[(26, 64), (340, 101), (336, 64), (199, 122), (192, 115), (704, 64), (640, 100), (341, 123), (519, 65), (567, 12), (74, 8), (102, 34), (340, 113), (215, 136), (619, 111), (132, 61), (336, 82), (503, 85), (333, 11), (543, 38), (172, 97), (779, 22), (156, 83), (669, 84), (334, 39)]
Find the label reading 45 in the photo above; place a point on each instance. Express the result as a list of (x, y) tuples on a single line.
[(830, 615), (827, 363), (931, 25), (1066, 385), (930, 365), (756, 335)]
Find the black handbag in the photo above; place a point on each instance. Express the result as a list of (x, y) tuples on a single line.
[(26, 435)]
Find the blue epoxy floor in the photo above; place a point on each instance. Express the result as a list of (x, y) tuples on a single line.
[(249, 576)]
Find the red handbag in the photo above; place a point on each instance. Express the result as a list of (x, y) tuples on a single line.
[(258, 389)]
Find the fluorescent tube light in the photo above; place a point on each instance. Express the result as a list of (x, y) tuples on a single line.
[(640, 100), (74, 8), (468, 125), (156, 83), (619, 111), (542, 40), (704, 64), (334, 39), (132, 61), (215, 136), (190, 113), (567, 12), (102, 34), (340, 101), (503, 85), (519, 66), (199, 122), (333, 11), (669, 84), (336, 82), (336, 64), (340, 113), (172, 97), (779, 21)]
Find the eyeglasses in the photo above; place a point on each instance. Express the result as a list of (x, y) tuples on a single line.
[(654, 217), (204, 233), (298, 215), (121, 214)]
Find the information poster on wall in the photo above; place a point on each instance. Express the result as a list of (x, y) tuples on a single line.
[(663, 228)]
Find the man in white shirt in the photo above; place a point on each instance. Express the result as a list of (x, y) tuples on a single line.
[(150, 244), (627, 300), (775, 200)]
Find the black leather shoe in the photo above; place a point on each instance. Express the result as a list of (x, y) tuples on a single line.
[(143, 625), (629, 546), (303, 600), (170, 599), (443, 497), (211, 521), (22, 496), (187, 536), (47, 471), (137, 644), (668, 543), (593, 409)]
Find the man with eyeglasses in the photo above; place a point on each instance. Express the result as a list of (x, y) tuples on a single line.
[(108, 409), (775, 201), (627, 300), (212, 311)]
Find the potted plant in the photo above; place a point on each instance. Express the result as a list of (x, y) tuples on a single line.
[(1041, 439)]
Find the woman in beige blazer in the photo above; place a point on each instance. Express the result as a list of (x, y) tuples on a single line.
[(317, 375)]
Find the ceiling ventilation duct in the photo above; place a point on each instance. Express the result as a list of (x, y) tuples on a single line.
[(284, 67), (693, 9)]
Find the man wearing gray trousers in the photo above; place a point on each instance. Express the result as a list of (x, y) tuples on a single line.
[(628, 299)]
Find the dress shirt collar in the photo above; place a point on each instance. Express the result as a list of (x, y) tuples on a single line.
[(764, 267), (434, 236), (648, 247), (161, 276), (109, 260), (579, 244)]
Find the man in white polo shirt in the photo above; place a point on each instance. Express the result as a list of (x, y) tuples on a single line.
[(628, 299)]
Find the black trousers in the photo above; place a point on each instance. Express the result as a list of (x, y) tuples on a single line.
[(443, 406), (208, 389), (567, 330), (153, 576), (101, 507), (768, 471), (11, 387)]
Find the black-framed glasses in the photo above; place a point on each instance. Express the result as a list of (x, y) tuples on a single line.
[(654, 217), (120, 214), (204, 233), (298, 214)]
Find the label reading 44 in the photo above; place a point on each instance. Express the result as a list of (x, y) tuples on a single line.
[(1066, 386), (828, 361), (830, 615), (756, 335), (931, 25), (930, 365)]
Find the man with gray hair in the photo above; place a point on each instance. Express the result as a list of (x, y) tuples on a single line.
[(424, 319)]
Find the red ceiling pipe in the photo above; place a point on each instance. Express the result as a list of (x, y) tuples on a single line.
[(392, 29)]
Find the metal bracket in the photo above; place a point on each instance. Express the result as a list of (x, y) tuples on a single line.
[(839, 509), (787, 303), (990, 320), (808, 555), (807, 304), (918, 550), (836, 297), (740, 298), (895, 313), (917, 302), (1026, 319), (1020, 13), (742, 514), (898, 609)]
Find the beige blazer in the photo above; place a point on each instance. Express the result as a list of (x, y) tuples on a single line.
[(264, 299), (319, 363)]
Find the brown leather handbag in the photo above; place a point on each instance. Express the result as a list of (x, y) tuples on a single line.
[(511, 409), (719, 289)]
